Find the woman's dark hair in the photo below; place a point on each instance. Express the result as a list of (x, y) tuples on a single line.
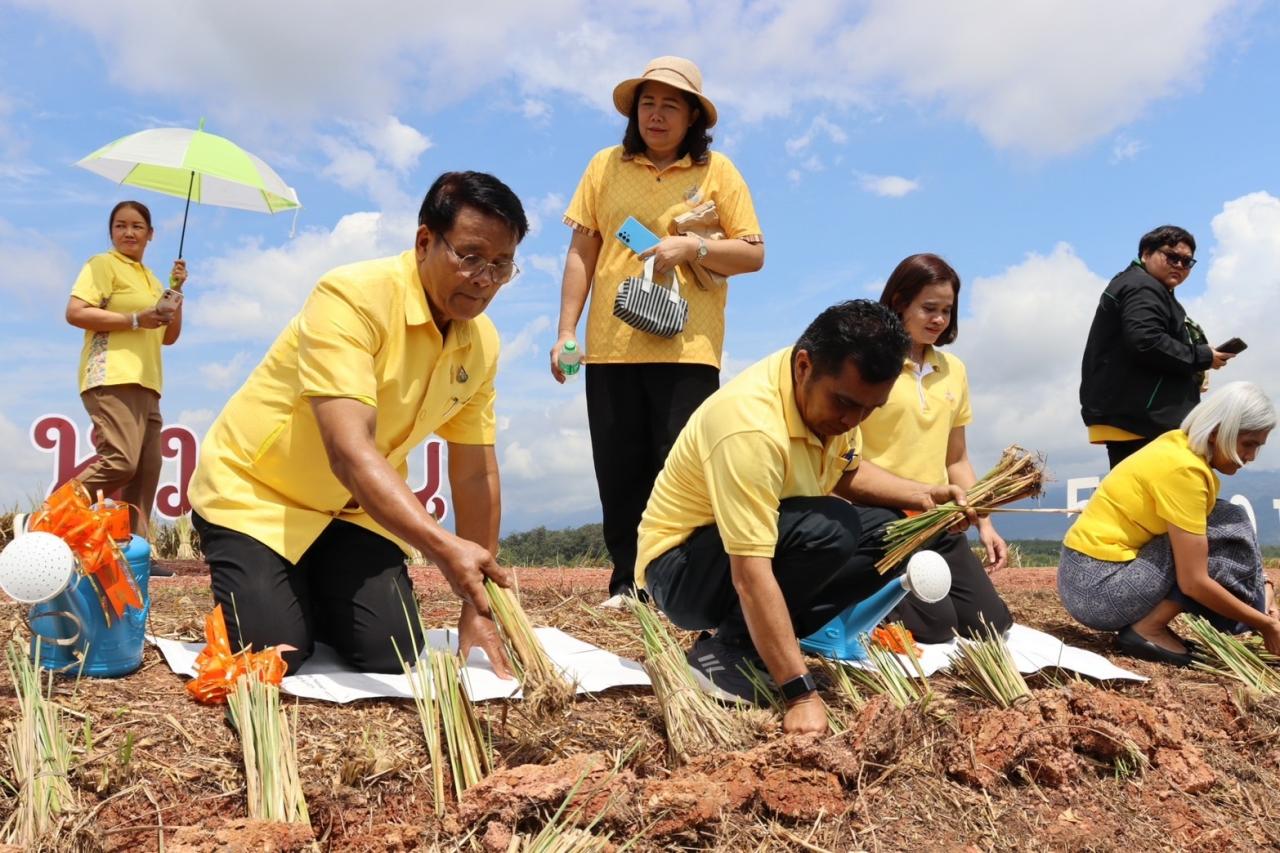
[(911, 276), (1165, 235), (696, 142), (136, 205), (455, 190), (864, 331)]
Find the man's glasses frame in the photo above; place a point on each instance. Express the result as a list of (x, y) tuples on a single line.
[(500, 272)]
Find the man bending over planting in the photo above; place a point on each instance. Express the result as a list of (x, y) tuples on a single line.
[(749, 529), (300, 497)]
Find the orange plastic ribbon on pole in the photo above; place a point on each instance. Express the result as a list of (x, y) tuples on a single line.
[(217, 668), (68, 515)]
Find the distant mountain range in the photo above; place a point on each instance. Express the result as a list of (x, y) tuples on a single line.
[(1260, 488)]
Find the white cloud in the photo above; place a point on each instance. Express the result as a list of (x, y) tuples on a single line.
[(35, 269), (198, 420), (1050, 77), (547, 207), (218, 376), (1022, 341), (887, 186), (1243, 292), (545, 455), (397, 144), (1125, 148), (535, 109), (527, 341), (820, 126), (27, 471), (252, 291)]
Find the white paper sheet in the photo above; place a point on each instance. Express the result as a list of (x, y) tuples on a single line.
[(1032, 651), (327, 677)]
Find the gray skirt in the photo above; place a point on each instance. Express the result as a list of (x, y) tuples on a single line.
[(1108, 595)]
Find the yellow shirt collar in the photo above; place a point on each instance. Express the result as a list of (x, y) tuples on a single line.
[(931, 356), (128, 260), (684, 162), (796, 427), (416, 310)]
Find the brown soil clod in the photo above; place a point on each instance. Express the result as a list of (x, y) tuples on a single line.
[(242, 835)]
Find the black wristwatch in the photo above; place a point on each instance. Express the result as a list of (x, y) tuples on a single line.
[(799, 687)]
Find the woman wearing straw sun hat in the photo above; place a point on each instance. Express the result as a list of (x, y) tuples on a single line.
[(641, 387), (127, 317)]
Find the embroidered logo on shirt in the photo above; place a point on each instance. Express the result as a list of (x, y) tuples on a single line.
[(462, 374)]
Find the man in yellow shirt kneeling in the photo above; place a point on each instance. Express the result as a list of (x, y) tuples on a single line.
[(300, 496), (749, 529)]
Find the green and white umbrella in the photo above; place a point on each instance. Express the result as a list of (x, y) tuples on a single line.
[(195, 165)]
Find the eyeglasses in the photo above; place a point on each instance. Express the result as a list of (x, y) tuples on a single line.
[(500, 272), (1175, 259)]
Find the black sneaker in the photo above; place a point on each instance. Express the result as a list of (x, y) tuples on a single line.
[(721, 670)]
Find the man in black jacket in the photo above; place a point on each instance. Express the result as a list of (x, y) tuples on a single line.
[(1144, 361)]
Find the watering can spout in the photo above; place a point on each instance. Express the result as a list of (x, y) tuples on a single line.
[(927, 577)]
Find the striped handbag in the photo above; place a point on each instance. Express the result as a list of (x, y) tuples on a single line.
[(645, 305)]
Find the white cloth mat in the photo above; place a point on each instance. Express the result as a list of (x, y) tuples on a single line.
[(327, 677), (1032, 651)]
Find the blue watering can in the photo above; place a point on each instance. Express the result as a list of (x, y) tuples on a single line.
[(927, 577)]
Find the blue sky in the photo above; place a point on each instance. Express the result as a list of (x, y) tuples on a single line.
[(1030, 144)]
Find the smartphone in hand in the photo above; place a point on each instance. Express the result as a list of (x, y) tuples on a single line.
[(635, 236), (169, 302), (1235, 346)]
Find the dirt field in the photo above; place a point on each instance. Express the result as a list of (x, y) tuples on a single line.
[(1185, 761)]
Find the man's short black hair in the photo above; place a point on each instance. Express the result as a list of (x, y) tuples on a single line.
[(454, 190), (1165, 235), (867, 332)]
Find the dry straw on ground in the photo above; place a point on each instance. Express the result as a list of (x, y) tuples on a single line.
[(39, 754)]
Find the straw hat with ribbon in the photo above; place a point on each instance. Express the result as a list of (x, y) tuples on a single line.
[(674, 71)]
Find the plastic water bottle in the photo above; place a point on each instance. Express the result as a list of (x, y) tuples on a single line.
[(570, 358)]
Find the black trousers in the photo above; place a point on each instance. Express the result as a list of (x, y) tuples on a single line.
[(973, 598), (823, 562), (1118, 451), (351, 589), (635, 412)]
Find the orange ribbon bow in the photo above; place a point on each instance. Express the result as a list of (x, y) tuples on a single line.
[(217, 668), (897, 639), (87, 531)]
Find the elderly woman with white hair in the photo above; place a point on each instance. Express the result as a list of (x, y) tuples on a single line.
[(1154, 540)]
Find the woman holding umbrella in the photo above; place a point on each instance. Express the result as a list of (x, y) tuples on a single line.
[(127, 316)]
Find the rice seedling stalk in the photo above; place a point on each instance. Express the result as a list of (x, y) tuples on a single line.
[(270, 751), (564, 833), (986, 668), (182, 526), (767, 691), (888, 676), (695, 722), (470, 756), (545, 688), (1019, 474), (39, 752), (1230, 657), (426, 702), (843, 683)]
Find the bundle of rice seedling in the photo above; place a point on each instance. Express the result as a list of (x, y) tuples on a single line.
[(427, 703), (843, 683), (1228, 656), (1019, 474), (470, 755), (186, 538), (39, 752), (986, 668), (889, 676), (545, 688), (695, 722), (270, 751)]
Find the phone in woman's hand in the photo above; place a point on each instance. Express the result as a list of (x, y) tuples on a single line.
[(1235, 346)]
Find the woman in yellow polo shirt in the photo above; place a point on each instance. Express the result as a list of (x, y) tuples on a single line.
[(126, 316), (641, 388), (1154, 540), (919, 434)]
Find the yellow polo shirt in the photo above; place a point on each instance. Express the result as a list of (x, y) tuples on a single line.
[(908, 435), (132, 356), (614, 187), (1165, 483), (365, 333), (743, 451)]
